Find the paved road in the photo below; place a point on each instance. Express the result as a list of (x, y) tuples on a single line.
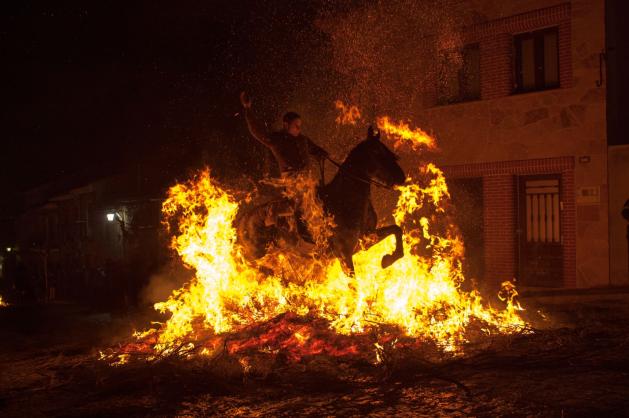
[(576, 366)]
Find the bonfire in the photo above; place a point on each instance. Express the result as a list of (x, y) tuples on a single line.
[(306, 304)]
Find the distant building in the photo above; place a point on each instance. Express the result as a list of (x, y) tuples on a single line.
[(97, 234), (100, 232), (70, 243)]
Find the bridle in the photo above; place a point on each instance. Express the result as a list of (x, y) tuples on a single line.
[(355, 176)]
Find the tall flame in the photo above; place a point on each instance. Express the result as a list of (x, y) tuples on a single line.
[(420, 293)]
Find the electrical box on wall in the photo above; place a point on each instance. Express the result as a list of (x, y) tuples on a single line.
[(589, 195)]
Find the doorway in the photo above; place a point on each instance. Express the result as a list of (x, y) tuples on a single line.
[(540, 255)]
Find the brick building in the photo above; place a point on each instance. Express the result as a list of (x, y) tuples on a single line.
[(524, 145)]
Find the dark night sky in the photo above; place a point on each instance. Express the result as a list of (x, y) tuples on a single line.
[(90, 83), (87, 83)]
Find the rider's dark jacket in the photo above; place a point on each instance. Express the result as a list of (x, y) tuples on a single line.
[(291, 152)]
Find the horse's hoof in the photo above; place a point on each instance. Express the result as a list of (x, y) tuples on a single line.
[(349, 272), (387, 260)]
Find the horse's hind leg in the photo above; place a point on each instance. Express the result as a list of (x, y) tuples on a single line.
[(398, 253)]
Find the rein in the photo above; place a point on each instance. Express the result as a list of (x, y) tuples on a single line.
[(359, 178)]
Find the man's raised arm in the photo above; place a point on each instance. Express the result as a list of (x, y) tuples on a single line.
[(257, 131)]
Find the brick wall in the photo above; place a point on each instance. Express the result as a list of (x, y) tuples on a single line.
[(499, 212), (499, 218), (569, 228), (523, 22), (496, 75), (565, 54), (495, 39), (516, 167)]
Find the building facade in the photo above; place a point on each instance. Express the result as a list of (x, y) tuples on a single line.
[(84, 239), (523, 135)]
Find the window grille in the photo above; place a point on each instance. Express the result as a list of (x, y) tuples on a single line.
[(542, 211)]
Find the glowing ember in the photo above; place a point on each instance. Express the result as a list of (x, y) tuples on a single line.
[(349, 114), (3, 303), (416, 138)]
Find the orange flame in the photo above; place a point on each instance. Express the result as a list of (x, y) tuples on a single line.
[(403, 133), (349, 114), (400, 131)]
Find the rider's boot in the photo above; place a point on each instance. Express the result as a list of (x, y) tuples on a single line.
[(270, 218)]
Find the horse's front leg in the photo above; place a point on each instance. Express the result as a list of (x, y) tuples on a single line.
[(398, 253), (342, 246)]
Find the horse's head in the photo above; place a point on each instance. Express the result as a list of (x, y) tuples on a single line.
[(376, 161)]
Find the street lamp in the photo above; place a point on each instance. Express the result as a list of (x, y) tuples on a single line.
[(111, 216)]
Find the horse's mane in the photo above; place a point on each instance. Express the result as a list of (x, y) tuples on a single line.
[(357, 152)]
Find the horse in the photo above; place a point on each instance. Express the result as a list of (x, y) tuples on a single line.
[(347, 198)]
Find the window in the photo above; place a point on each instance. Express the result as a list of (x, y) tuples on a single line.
[(459, 78), (536, 60)]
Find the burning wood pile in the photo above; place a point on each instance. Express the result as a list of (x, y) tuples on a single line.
[(304, 304)]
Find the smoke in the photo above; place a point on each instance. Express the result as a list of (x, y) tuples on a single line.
[(162, 284)]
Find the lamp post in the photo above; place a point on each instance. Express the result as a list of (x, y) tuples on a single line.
[(114, 215)]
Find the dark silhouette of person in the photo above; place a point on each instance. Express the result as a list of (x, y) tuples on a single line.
[(291, 149)]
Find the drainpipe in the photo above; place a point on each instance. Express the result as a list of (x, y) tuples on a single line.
[(625, 214), (46, 245)]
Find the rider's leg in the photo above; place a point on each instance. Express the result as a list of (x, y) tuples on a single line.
[(269, 216)]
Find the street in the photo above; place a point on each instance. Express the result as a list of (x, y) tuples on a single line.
[(577, 365)]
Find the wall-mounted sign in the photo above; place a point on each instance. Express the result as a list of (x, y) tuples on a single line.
[(589, 195)]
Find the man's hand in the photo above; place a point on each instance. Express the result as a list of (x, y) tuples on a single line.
[(320, 152), (245, 101)]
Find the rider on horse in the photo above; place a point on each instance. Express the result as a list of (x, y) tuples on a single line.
[(293, 152), (290, 148)]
